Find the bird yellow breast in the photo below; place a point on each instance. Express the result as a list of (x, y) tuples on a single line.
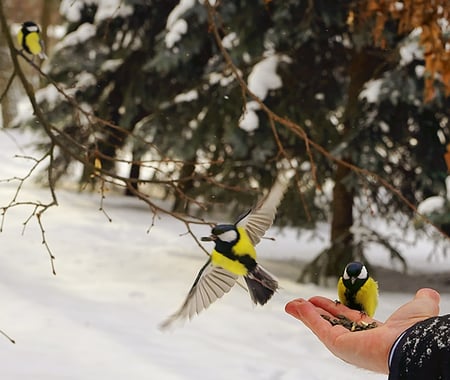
[(367, 295), (243, 247), (32, 40), (20, 38)]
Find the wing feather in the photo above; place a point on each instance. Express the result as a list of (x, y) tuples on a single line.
[(260, 219), (212, 283)]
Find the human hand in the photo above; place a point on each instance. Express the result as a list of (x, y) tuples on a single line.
[(367, 349)]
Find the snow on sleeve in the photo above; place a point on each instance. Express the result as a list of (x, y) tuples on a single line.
[(261, 80)]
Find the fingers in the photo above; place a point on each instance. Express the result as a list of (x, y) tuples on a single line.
[(336, 309), (364, 349), (310, 315), (306, 312), (317, 306)]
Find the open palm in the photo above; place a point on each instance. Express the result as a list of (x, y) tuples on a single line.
[(370, 348)]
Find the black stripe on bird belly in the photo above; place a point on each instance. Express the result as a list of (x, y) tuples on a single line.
[(226, 249), (248, 261), (351, 301), (24, 43)]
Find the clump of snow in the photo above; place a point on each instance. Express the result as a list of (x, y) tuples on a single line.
[(112, 8), (261, 80), (48, 94), (371, 91), (111, 64), (409, 51), (85, 79), (71, 9), (230, 41), (186, 96), (264, 78), (176, 26), (56, 31), (83, 33), (435, 203), (176, 31), (249, 120), (398, 6), (224, 79), (384, 126), (420, 71)]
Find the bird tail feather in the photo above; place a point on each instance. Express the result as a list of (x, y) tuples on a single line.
[(261, 285)]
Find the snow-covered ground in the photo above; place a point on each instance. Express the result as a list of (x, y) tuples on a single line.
[(98, 317)]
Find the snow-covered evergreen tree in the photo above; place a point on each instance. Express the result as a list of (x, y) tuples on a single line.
[(147, 85)]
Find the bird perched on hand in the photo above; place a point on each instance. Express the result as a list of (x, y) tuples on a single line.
[(357, 290), (234, 255), (29, 38)]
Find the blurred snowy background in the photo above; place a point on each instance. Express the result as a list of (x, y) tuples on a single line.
[(141, 90), (116, 281)]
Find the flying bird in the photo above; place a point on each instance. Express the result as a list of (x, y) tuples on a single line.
[(234, 255)]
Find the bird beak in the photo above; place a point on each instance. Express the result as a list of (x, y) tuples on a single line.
[(353, 279), (209, 238)]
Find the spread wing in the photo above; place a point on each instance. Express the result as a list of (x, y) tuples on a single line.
[(212, 283), (257, 221)]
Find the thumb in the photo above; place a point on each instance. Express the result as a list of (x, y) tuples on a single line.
[(425, 304), (430, 299)]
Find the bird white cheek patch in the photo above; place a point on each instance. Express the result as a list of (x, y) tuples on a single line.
[(228, 236)]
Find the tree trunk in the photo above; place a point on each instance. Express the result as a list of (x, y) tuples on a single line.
[(341, 251), (184, 186), (135, 172), (9, 100), (365, 65)]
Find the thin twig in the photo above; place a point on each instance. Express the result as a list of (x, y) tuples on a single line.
[(8, 85)]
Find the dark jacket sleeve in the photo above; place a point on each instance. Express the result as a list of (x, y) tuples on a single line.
[(422, 352)]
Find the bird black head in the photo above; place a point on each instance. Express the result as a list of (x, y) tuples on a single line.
[(355, 275), (30, 26), (226, 233)]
